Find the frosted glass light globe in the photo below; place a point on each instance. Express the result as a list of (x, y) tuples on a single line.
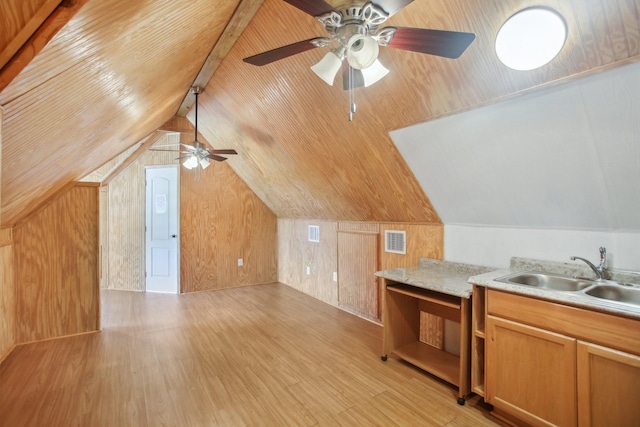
[(531, 38)]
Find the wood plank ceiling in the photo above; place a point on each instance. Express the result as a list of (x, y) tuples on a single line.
[(119, 69)]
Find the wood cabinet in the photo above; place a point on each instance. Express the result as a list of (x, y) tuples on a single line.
[(403, 305), (478, 339), (531, 373), (608, 386), (547, 363)]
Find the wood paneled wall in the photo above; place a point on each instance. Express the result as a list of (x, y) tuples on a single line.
[(295, 252), (7, 289), (7, 297), (423, 241), (123, 220), (56, 267), (357, 261), (221, 221)]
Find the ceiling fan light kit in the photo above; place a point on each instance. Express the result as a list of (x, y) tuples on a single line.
[(373, 73), (191, 162), (328, 67), (362, 51), (197, 156), (355, 29)]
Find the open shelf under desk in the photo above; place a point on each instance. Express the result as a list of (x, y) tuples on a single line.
[(425, 295), (403, 307), (440, 363)]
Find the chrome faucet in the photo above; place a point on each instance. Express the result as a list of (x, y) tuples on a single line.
[(600, 269)]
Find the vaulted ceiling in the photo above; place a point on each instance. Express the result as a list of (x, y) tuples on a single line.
[(119, 69)]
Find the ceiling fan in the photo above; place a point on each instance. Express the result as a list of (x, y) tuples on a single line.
[(198, 155), (354, 31)]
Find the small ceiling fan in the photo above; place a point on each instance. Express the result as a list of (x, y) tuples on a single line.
[(198, 155), (353, 30)]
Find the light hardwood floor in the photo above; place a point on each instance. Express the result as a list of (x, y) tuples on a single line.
[(263, 355)]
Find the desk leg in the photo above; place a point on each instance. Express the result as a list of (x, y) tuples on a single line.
[(465, 350)]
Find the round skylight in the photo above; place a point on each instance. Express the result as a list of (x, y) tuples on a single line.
[(531, 38)]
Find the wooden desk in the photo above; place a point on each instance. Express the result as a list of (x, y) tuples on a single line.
[(401, 318)]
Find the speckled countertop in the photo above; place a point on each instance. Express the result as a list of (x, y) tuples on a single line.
[(449, 278), (577, 298), (456, 279)]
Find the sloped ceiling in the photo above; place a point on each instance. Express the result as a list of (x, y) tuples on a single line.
[(302, 156), (119, 69), (563, 158)]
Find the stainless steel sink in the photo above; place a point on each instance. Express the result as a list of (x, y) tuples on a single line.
[(556, 282), (618, 293)]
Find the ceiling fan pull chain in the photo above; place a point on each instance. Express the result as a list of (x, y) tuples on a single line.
[(352, 100)]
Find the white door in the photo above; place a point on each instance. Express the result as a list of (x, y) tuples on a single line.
[(162, 225)]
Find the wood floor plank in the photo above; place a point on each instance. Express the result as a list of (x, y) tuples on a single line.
[(263, 355)]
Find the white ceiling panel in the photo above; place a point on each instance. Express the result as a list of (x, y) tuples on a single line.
[(566, 157), (612, 103)]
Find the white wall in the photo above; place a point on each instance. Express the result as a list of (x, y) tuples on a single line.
[(494, 246), (546, 175)]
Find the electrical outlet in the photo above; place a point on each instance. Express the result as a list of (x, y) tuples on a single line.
[(240, 262), (335, 276), (308, 270)]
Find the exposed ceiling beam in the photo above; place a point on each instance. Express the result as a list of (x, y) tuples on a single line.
[(29, 28), (49, 19), (241, 17)]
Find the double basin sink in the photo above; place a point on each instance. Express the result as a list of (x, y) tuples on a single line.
[(605, 289)]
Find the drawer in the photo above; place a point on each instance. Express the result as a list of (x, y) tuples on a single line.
[(600, 328)]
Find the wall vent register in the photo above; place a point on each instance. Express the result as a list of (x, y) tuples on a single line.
[(314, 233), (395, 241)]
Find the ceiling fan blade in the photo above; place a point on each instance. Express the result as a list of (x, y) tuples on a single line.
[(358, 79), (449, 44), (311, 7), (224, 151), (216, 158), (163, 149), (277, 54), (393, 6)]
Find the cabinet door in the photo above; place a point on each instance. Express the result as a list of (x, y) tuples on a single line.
[(357, 263), (531, 373), (608, 387)]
